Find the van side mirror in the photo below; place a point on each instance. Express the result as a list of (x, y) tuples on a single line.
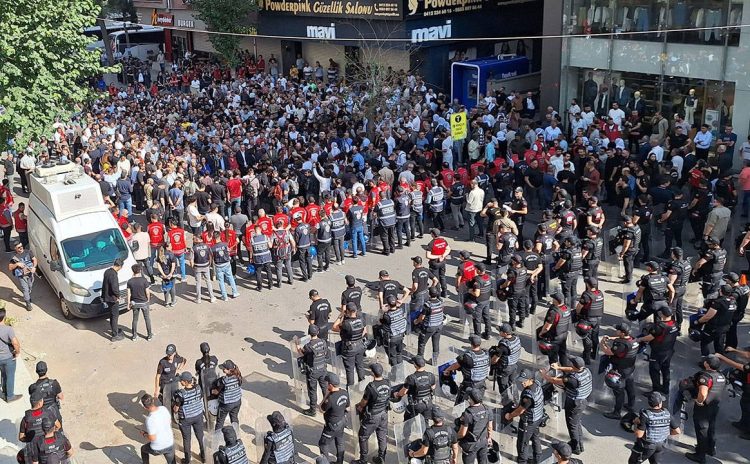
[(55, 266), (134, 246)]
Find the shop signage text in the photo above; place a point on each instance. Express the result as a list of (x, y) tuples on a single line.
[(431, 33), (188, 23), (161, 19), (440, 7), (386, 9), (458, 126), (322, 32)]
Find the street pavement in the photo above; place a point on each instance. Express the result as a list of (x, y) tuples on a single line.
[(103, 381)]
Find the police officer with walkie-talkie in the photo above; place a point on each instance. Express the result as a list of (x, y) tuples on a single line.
[(315, 357), (531, 410), (591, 252), (504, 357), (653, 427), (569, 267), (661, 337), (653, 287), (50, 388), (590, 310), (394, 322), (373, 413), (708, 384), (678, 273), (475, 368), (622, 350), (439, 443), (711, 267), (419, 386), (430, 321), (353, 331), (187, 402)]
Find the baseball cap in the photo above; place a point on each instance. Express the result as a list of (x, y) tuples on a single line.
[(526, 374), (505, 328), (312, 293), (624, 328), (664, 309), (418, 361), (205, 349), (41, 368), (377, 369), (383, 273), (228, 364), (593, 281), (576, 361), (435, 231), (654, 399), (186, 376), (333, 379), (479, 267), (563, 449), (351, 306), (518, 189), (36, 396), (464, 254), (437, 413), (275, 419), (558, 296), (732, 277), (652, 264), (476, 395), (417, 259), (313, 330), (171, 349), (517, 258), (712, 360), (475, 340), (350, 280)]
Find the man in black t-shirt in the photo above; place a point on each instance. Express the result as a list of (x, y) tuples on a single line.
[(139, 295), (111, 297)]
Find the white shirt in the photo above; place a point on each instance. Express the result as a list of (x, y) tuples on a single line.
[(678, 162), (658, 151), (745, 150), (551, 133), (588, 118), (475, 200), (617, 116), (159, 423)]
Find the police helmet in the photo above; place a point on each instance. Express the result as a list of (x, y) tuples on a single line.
[(545, 346), (631, 313), (628, 422), (613, 379), (583, 328), (695, 335)]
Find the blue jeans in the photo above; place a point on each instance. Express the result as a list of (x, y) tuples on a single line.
[(126, 205), (8, 376), (475, 220), (224, 271), (232, 204), (358, 238), (181, 260), (745, 202)]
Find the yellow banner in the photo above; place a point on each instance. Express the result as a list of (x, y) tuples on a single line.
[(458, 126)]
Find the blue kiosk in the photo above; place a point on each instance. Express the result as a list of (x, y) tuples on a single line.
[(469, 79)]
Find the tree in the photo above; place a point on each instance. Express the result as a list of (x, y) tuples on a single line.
[(231, 16), (44, 64), (121, 10)]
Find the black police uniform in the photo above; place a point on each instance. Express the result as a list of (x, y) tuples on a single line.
[(645, 214), (474, 444), (704, 417), (508, 352), (419, 392), (353, 348), (741, 294), (432, 325), (625, 351), (374, 419), (716, 329), (518, 306), (190, 414), (50, 388), (205, 370), (744, 422), (594, 247), (422, 277), (634, 235), (578, 387), (403, 213), (389, 288), (657, 425), (302, 238), (234, 454), (673, 225), (531, 261), (682, 270), (230, 400), (481, 312), (662, 350), (386, 211), (316, 355), (51, 450), (475, 368), (570, 273), (334, 408), (655, 290), (547, 242), (713, 270), (167, 372), (561, 319), (508, 241), (279, 447), (532, 400), (592, 312), (395, 326), (319, 313), (440, 440), (352, 295)]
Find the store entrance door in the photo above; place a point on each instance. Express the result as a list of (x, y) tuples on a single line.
[(289, 51), (353, 63)]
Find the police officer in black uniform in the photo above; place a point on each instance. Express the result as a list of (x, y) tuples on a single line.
[(535, 266), (51, 389), (563, 453), (319, 313), (394, 322), (430, 323), (591, 252), (334, 407), (653, 288), (711, 267), (629, 237), (435, 198), (517, 288), (578, 385), (504, 358), (653, 427), (622, 352), (403, 213), (643, 212), (233, 450), (278, 444), (556, 326), (352, 293), (744, 372), (590, 310), (545, 244), (569, 267), (678, 273), (165, 382), (717, 320), (31, 423), (421, 281), (205, 369), (708, 384), (51, 446), (420, 387), (531, 410), (315, 356), (439, 443), (385, 212), (507, 245), (475, 368), (228, 388), (475, 430), (673, 219), (302, 238), (661, 337), (389, 287), (741, 294), (481, 289), (373, 414), (188, 404), (353, 331)]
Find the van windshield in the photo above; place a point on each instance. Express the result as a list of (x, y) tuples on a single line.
[(94, 251)]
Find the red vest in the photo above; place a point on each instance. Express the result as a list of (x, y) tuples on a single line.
[(177, 241), (313, 215), (468, 271), (281, 217), (266, 225), (4, 221), (438, 246), (298, 215), (229, 236), (156, 233), (20, 223), (122, 221)]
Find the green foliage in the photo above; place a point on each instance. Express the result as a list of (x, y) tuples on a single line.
[(121, 9), (44, 65), (226, 16)]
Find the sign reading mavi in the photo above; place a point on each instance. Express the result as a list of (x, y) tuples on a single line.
[(322, 32), (432, 33)]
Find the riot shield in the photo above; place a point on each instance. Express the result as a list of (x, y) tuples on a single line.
[(447, 388), (504, 433), (601, 395), (335, 361), (263, 427), (404, 435), (212, 439), (464, 317), (207, 377), (299, 381), (356, 418), (554, 421)]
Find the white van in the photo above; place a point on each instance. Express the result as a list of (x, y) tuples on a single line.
[(75, 238)]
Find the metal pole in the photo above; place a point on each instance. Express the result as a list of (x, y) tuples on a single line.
[(723, 75), (663, 58)]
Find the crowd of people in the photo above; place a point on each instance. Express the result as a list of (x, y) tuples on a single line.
[(252, 174)]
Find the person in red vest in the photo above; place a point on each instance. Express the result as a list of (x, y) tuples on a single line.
[(178, 245), (156, 235), (313, 212), (229, 236), (6, 223), (281, 216), (437, 252), (466, 273), (124, 223), (7, 193), (264, 222), (19, 220), (297, 213)]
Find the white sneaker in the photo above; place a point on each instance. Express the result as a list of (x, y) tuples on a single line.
[(236, 295), (213, 300)]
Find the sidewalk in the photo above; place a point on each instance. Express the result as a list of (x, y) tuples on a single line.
[(11, 415)]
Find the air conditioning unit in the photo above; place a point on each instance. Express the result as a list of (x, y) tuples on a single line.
[(49, 170)]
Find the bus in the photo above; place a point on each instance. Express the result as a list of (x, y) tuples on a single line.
[(142, 43)]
